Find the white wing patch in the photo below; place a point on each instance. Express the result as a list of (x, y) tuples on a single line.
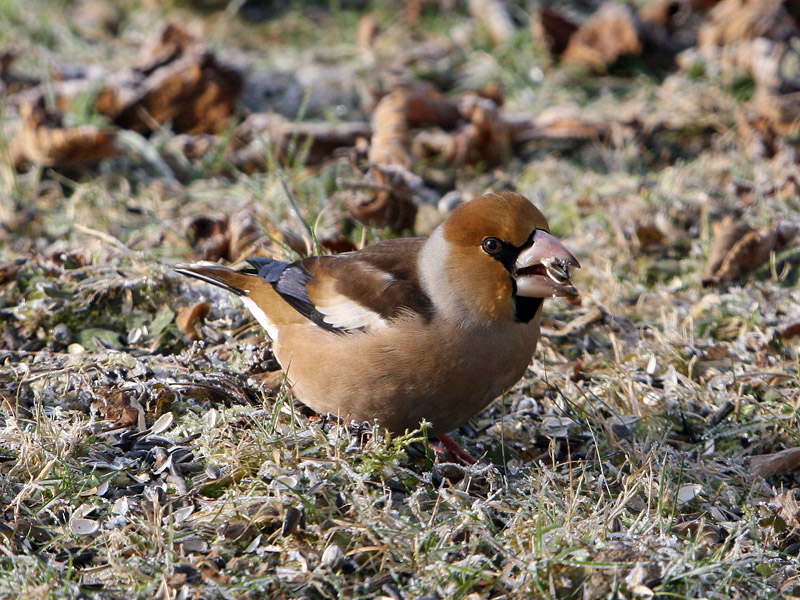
[(261, 317), (344, 313)]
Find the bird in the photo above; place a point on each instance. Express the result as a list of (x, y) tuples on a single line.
[(410, 329)]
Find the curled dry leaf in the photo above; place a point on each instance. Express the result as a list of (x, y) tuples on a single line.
[(116, 407), (409, 105), (767, 465), (611, 32), (732, 21), (738, 248), (43, 140), (188, 316), (386, 199), (233, 238), (210, 236), (554, 28), (181, 81), (701, 530), (484, 138), (790, 331)]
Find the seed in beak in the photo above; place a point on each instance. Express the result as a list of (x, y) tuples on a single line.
[(558, 270)]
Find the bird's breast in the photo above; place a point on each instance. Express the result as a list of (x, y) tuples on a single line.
[(407, 372)]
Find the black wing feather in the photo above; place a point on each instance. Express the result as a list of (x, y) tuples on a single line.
[(289, 280)]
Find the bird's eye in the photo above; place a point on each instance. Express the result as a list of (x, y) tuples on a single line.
[(492, 245)]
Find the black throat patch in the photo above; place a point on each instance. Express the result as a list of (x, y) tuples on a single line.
[(525, 308)]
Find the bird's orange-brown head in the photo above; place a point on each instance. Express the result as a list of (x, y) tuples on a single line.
[(501, 260)]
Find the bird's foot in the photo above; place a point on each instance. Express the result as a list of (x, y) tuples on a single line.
[(448, 444)]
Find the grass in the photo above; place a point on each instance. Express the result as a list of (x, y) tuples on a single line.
[(616, 468)]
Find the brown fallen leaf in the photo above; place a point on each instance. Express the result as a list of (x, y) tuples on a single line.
[(233, 238), (409, 105), (188, 316), (116, 407), (787, 508), (43, 140), (209, 236), (767, 465), (385, 198), (732, 21), (790, 331), (649, 236), (738, 248), (700, 530), (484, 138), (554, 28), (611, 32), (181, 81), (261, 134)]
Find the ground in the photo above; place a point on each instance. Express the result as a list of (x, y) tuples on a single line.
[(150, 451)]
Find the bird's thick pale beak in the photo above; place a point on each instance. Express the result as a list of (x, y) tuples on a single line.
[(544, 269)]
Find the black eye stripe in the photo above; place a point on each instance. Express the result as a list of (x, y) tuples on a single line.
[(508, 253)]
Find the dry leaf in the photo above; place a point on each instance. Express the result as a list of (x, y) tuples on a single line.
[(42, 140), (738, 248), (731, 21), (788, 508), (767, 465), (554, 28), (387, 200), (210, 237), (181, 82), (649, 236), (698, 529), (116, 408), (610, 33), (485, 137), (790, 331), (409, 105), (188, 316)]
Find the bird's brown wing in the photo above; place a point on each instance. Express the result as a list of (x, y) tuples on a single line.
[(357, 291)]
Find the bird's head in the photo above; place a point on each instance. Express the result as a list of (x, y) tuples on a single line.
[(500, 259)]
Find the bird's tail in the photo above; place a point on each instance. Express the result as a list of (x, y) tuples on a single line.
[(234, 281)]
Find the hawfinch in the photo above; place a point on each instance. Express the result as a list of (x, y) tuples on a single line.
[(410, 329)]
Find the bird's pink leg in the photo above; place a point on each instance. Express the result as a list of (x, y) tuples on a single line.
[(448, 443)]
